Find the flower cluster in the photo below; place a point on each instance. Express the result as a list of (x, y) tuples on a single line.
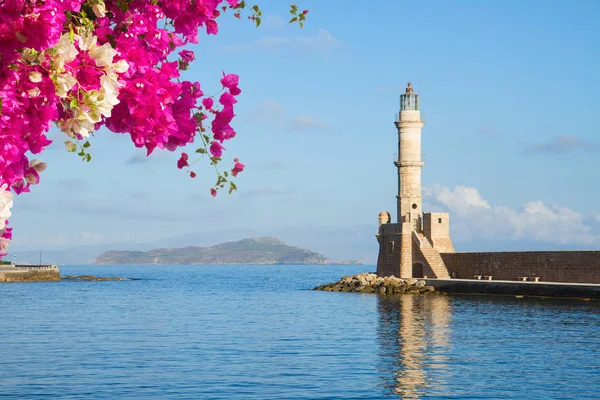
[(85, 64)]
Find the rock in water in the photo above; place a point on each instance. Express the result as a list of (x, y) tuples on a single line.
[(371, 283)]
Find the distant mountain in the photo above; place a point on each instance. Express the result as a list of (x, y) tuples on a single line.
[(266, 250), (337, 243)]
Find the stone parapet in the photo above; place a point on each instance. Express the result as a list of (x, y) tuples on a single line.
[(27, 273), (547, 266)]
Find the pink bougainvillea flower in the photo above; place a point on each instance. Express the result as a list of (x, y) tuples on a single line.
[(227, 99), (230, 81), (114, 72), (216, 149), (183, 161), (213, 192), (237, 168), (207, 102), (187, 56)]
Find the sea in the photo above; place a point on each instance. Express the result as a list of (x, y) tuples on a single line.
[(261, 332)]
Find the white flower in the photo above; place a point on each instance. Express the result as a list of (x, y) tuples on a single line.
[(35, 77), (35, 92), (64, 83), (6, 203), (4, 245), (103, 55), (121, 66), (65, 52), (91, 105), (38, 165), (99, 9)]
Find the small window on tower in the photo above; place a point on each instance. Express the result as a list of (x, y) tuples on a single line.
[(414, 206), (390, 247), (439, 220)]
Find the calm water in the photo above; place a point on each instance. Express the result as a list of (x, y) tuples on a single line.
[(256, 332)]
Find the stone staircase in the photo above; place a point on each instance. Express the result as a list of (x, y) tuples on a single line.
[(432, 256)]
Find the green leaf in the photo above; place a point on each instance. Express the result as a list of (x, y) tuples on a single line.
[(88, 157), (206, 138), (201, 151), (225, 173), (293, 20), (233, 185), (255, 8), (301, 25), (257, 21), (73, 104), (294, 8), (86, 145)]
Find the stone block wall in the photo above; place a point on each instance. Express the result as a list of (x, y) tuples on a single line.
[(420, 265), (436, 228), (29, 273), (549, 266), (388, 260)]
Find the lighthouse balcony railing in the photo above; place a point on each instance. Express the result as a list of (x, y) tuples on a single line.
[(410, 158), (421, 118)]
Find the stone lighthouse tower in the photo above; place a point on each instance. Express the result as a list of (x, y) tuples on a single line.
[(411, 247), (409, 163)]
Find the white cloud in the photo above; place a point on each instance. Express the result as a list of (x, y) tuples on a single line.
[(322, 41), (472, 217), (561, 145), (268, 113), (272, 114), (306, 122), (264, 192), (463, 198), (273, 22), (92, 238)]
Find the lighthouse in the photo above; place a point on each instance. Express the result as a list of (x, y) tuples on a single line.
[(412, 246), (409, 124)]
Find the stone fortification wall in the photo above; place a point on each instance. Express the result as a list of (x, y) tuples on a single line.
[(549, 266), (388, 260), (29, 273), (436, 228)]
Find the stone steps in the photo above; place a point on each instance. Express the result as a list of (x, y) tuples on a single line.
[(433, 257)]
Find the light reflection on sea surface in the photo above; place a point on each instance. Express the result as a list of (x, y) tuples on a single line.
[(257, 332), (488, 347)]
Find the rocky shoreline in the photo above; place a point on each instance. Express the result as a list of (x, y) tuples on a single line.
[(372, 283)]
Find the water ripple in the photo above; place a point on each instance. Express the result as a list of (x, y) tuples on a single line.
[(249, 332)]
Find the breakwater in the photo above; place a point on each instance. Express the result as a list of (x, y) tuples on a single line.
[(390, 285), (29, 273), (372, 283), (498, 287)]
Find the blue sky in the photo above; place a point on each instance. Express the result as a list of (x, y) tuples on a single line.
[(509, 90)]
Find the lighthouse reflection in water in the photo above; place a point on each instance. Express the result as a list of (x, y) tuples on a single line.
[(414, 343)]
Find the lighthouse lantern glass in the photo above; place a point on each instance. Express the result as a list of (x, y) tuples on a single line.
[(409, 101)]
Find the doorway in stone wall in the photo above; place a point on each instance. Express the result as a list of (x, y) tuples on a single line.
[(417, 270)]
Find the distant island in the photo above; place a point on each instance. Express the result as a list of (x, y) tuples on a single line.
[(265, 250)]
